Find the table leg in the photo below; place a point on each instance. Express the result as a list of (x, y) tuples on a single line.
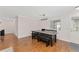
[(55, 38), (51, 43)]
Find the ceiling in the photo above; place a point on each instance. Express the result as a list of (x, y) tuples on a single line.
[(50, 11)]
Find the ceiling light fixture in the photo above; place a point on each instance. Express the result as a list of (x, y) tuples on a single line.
[(44, 17)]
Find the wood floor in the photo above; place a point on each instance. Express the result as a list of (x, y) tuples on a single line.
[(29, 45)]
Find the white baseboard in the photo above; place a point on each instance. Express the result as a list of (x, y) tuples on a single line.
[(69, 41), (23, 36)]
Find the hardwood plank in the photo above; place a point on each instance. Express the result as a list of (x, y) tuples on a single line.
[(28, 45)]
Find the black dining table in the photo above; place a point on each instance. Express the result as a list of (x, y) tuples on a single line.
[(47, 35)]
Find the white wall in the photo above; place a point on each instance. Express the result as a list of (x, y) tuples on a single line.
[(8, 24), (45, 24), (66, 33), (27, 24), (74, 34)]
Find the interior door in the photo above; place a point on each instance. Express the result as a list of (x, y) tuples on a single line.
[(56, 25)]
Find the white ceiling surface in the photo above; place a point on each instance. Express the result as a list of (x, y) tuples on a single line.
[(50, 11)]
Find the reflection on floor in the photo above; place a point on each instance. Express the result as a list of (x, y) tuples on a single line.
[(10, 49), (9, 41), (26, 44), (74, 46), (29, 45)]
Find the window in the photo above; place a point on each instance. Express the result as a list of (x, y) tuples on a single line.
[(75, 23)]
